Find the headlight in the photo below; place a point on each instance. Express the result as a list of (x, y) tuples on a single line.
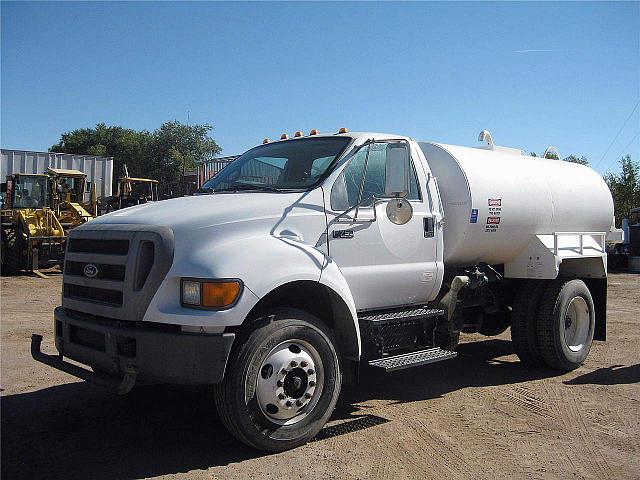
[(190, 292), (214, 294)]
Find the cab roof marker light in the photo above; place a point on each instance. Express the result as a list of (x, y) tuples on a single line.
[(343, 130), (314, 132), (265, 141), (284, 136), (298, 134)]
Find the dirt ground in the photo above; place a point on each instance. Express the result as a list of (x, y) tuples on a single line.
[(482, 415)]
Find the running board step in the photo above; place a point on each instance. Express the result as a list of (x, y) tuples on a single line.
[(413, 359), (401, 315)]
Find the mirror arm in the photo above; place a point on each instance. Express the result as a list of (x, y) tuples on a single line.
[(373, 203)]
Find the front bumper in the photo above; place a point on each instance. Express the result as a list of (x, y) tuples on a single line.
[(147, 352)]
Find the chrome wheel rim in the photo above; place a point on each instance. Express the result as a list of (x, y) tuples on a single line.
[(289, 382), (576, 324)]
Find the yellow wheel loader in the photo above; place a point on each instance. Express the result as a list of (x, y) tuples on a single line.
[(37, 213)]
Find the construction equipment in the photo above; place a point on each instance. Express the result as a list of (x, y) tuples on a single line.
[(133, 191), (39, 211)]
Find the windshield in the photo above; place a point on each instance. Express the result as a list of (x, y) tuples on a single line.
[(72, 185), (142, 189), (290, 165), (30, 192)]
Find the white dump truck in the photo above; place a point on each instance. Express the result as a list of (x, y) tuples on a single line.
[(312, 257)]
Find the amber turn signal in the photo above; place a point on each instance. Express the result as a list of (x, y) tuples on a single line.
[(220, 294)]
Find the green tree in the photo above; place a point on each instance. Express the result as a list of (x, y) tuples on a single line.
[(571, 158), (575, 159), (177, 148), (125, 145), (625, 188), (163, 154)]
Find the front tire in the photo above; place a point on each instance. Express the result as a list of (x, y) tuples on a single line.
[(566, 323), (268, 399), (12, 258)]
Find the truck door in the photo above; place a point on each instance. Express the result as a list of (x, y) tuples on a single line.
[(385, 264)]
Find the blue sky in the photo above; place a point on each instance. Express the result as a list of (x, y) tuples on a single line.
[(534, 74)]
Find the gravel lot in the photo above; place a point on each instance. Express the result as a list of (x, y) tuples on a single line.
[(482, 415)]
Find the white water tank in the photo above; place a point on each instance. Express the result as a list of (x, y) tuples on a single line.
[(496, 201)]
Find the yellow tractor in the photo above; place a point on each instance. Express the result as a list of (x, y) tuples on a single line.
[(37, 213)]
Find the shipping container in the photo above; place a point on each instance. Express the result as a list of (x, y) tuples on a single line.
[(99, 170), (210, 168)]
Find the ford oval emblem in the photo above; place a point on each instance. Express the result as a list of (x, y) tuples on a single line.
[(90, 270)]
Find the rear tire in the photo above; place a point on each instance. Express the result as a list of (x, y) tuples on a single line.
[(566, 323), (243, 399), (12, 253), (524, 329)]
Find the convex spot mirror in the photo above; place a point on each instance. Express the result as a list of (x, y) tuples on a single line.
[(397, 170), (399, 211)]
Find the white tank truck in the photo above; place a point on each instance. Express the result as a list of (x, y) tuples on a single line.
[(310, 258)]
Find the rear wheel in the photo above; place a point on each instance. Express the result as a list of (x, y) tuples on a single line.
[(281, 384), (566, 323), (11, 253), (524, 321)]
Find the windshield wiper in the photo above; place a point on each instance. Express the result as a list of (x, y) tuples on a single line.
[(248, 186)]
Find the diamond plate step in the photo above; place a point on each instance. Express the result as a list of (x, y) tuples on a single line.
[(413, 359), (414, 313)]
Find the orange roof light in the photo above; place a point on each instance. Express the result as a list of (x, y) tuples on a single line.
[(297, 134), (314, 132), (284, 136), (343, 130), (266, 140)]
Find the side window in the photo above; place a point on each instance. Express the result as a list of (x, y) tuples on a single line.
[(344, 193)]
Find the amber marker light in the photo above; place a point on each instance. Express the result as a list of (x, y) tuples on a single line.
[(297, 134), (343, 130), (220, 294), (314, 132), (265, 141), (284, 136), (210, 294)]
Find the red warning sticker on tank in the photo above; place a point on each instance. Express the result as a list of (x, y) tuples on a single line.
[(493, 220), (495, 202)]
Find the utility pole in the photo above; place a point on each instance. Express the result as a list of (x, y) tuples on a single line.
[(184, 159)]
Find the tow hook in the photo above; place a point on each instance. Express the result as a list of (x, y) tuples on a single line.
[(113, 384)]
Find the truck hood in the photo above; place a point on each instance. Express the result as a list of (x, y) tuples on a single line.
[(204, 211)]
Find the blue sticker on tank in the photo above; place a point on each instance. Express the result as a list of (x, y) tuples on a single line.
[(474, 216)]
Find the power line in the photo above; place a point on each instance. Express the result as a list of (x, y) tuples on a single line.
[(622, 152), (617, 135)]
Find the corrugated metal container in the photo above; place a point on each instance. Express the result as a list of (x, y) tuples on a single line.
[(212, 167), (99, 170)]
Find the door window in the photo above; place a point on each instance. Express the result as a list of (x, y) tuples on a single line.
[(368, 162)]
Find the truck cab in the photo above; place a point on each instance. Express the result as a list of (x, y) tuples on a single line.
[(309, 258)]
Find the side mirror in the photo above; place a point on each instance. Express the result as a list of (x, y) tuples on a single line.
[(397, 170)]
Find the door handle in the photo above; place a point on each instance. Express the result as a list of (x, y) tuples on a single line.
[(429, 227)]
